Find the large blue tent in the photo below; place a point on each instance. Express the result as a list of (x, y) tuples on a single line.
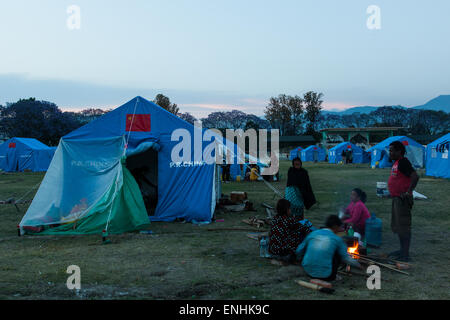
[(437, 161), (313, 153), (415, 152), (295, 153), (359, 155), (91, 170), (20, 154)]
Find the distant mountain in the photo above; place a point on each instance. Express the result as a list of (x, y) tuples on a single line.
[(362, 109), (441, 103)]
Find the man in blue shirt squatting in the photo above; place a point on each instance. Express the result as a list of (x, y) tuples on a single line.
[(323, 251)]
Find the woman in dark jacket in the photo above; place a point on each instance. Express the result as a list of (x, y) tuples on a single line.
[(298, 189)]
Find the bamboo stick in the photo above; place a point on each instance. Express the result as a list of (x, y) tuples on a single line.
[(393, 268), (352, 274), (385, 259), (383, 265), (237, 229), (393, 262)]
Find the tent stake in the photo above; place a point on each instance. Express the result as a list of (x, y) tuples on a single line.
[(104, 239)]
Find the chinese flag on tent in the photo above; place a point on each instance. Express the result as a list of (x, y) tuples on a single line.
[(140, 122), (405, 143), (12, 145)]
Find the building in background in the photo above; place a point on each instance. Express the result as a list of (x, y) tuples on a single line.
[(362, 137)]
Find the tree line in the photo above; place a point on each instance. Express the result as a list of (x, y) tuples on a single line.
[(414, 121), (292, 115)]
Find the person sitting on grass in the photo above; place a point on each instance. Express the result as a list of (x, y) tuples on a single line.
[(254, 171), (323, 251), (250, 172), (356, 212), (286, 232)]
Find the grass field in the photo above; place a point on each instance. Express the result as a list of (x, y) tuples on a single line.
[(186, 261)]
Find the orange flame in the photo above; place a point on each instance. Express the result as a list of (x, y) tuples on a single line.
[(353, 251)]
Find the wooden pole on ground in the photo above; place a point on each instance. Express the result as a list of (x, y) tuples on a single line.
[(369, 261)]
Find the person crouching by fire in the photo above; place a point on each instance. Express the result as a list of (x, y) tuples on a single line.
[(323, 251), (401, 183)]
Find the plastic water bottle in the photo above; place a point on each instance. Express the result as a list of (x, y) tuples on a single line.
[(381, 189), (199, 223), (350, 232), (264, 247), (374, 227)]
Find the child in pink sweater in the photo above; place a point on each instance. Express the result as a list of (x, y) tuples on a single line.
[(357, 213)]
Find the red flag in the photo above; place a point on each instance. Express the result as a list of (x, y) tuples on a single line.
[(138, 122), (405, 143), (12, 145)]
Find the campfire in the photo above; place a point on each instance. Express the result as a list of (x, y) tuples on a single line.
[(359, 252), (353, 251)]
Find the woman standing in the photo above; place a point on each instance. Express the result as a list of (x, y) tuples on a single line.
[(298, 189)]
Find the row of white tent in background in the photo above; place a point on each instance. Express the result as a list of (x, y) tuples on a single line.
[(434, 157), (27, 154)]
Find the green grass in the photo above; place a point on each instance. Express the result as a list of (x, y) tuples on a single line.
[(185, 261)]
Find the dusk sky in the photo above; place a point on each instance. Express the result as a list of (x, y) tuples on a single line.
[(211, 55)]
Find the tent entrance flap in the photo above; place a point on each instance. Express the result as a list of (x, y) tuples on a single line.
[(144, 168)]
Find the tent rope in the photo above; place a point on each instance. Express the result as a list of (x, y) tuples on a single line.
[(110, 208), (124, 151), (32, 188), (131, 125), (277, 192)]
